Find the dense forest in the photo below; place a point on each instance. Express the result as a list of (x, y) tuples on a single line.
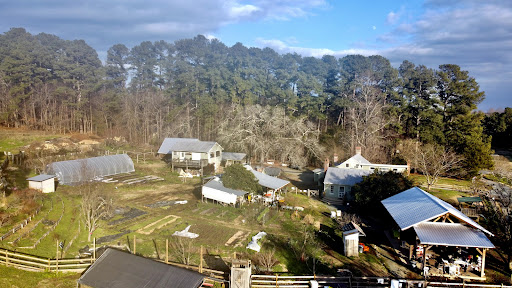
[(250, 99)]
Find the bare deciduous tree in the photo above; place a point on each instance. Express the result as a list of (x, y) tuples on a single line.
[(267, 132), (432, 160), (367, 121), (96, 201), (181, 249), (267, 259), (96, 204)]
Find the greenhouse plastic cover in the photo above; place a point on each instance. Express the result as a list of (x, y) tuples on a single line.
[(76, 171)]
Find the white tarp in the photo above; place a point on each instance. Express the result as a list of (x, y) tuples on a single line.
[(253, 245), (185, 233)]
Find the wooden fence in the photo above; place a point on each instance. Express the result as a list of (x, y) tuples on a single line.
[(35, 263), (267, 281), (20, 225)]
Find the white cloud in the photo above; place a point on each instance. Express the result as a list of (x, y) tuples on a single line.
[(392, 18), (283, 48)]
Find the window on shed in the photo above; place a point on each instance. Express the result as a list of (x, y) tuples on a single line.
[(332, 189), (348, 165), (217, 153), (212, 155)]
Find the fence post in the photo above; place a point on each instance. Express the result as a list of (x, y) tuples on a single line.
[(94, 249), (167, 251), (134, 243), (57, 257), (6, 259), (201, 260)]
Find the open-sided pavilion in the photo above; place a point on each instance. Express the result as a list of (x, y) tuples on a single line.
[(426, 221)]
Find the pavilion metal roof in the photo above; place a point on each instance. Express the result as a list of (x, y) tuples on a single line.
[(117, 269), (170, 145), (217, 185), (345, 176), (451, 234), (414, 206)]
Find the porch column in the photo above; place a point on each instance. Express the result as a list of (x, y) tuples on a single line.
[(482, 274)]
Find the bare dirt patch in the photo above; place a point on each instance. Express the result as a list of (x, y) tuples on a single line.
[(162, 222), (237, 238)]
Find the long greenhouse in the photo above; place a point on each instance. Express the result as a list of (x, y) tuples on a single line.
[(74, 172)]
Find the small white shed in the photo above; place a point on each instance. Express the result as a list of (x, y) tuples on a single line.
[(351, 232), (216, 191), (44, 183)]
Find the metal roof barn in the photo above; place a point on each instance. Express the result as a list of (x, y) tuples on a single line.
[(76, 171)]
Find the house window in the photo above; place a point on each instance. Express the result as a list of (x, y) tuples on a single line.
[(217, 153), (175, 153), (212, 155), (332, 189), (348, 165), (373, 168), (395, 170)]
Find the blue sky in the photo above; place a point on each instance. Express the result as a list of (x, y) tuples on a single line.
[(476, 35)]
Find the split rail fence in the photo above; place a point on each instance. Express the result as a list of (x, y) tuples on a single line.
[(35, 263)]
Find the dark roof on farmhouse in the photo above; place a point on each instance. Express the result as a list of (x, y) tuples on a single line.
[(217, 185), (117, 269), (185, 145), (233, 156), (414, 206), (272, 171), (343, 176), (82, 170), (41, 178)]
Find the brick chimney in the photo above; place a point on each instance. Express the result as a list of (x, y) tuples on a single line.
[(326, 164), (358, 150), (335, 158)]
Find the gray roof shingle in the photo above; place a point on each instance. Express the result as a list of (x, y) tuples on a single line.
[(268, 181), (343, 176), (117, 269), (217, 185), (233, 156), (40, 178), (170, 145)]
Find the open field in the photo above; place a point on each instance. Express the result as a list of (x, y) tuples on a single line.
[(147, 212)]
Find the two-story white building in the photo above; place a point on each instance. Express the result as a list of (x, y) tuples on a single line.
[(359, 162), (191, 153)]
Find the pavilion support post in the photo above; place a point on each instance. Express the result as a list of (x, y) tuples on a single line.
[(411, 250), (482, 273), (425, 249)]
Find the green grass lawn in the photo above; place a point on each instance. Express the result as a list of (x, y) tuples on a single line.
[(13, 277)]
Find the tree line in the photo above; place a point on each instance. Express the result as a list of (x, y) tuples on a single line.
[(202, 88)]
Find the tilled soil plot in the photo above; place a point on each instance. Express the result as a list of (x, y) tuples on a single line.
[(131, 214)]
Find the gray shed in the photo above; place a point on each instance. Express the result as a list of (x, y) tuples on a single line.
[(44, 183)]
